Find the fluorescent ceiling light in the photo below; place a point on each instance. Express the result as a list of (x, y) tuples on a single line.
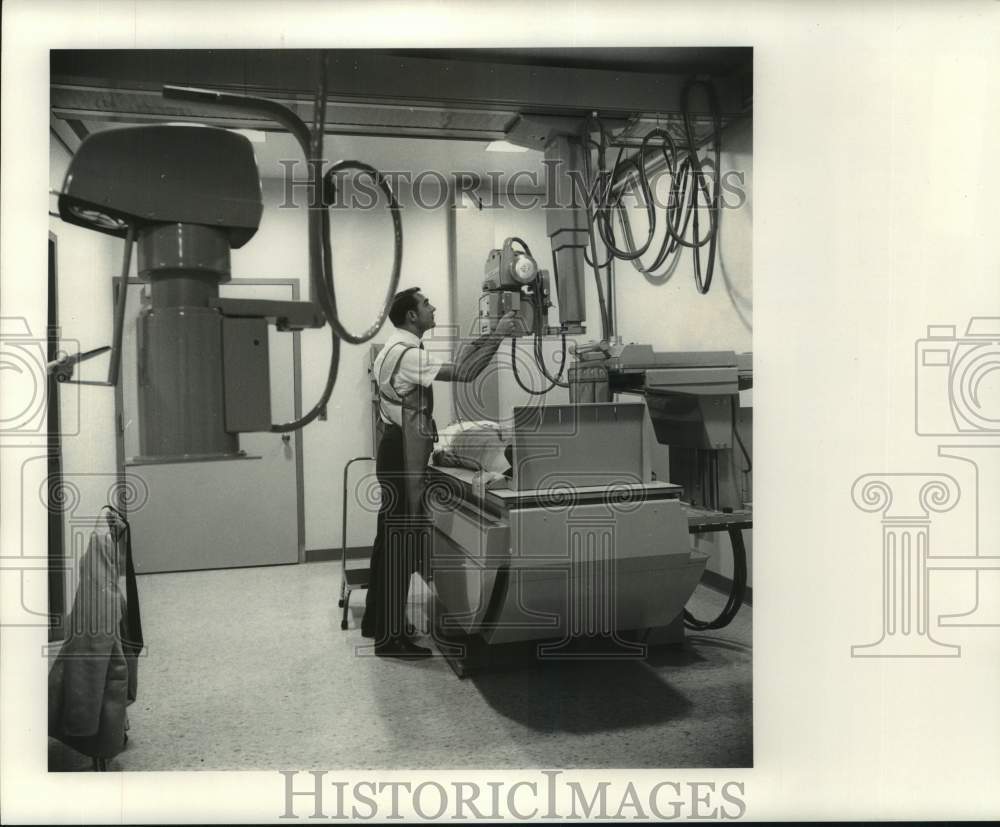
[(504, 146), (255, 136)]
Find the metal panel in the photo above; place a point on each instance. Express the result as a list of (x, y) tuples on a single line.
[(484, 539), (179, 374), (247, 377), (569, 446), (234, 513), (461, 584), (694, 380), (645, 532), (584, 569)]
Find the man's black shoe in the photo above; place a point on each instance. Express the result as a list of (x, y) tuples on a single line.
[(401, 648), (369, 632)]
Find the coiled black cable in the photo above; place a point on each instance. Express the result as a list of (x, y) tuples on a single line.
[(524, 245), (736, 595), (677, 220), (713, 212), (540, 359), (539, 321), (682, 204), (320, 252), (689, 187), (591, 261), (329, 198), (517, 375), (736, 432)]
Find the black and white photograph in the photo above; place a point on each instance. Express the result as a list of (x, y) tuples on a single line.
[(435, 362), (443, 411)]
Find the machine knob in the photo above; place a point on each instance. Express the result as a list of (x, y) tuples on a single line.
[(524, 269)]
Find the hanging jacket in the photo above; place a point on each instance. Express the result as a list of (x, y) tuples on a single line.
[(95, 675)]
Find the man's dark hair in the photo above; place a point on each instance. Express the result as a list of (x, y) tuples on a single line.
[(402, 303)]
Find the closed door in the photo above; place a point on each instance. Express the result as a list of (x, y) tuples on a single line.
[(222, 513)]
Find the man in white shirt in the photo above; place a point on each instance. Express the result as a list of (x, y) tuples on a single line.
[(405, 374)]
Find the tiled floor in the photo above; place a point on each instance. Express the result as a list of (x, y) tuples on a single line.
[(249, 669)]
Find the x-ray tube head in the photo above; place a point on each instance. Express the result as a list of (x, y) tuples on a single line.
[(188, 195)]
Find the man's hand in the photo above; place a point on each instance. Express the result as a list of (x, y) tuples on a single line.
[(506, 324)]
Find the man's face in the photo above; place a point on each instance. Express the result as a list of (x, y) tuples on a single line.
[(425, 313)]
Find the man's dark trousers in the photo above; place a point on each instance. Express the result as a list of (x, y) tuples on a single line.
[(393, 552)]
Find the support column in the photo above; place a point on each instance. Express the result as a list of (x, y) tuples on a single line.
[(179, 338)]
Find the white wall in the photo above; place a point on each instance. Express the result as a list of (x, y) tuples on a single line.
[(86, 263), (362, 259), (670, 314)]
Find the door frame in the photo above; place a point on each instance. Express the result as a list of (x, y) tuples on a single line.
[(296, 393), (57, 580)]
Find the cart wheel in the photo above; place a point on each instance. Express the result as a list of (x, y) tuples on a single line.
[(343, 624), (340, 603)]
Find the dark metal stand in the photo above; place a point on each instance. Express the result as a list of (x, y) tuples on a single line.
[(355, 578)]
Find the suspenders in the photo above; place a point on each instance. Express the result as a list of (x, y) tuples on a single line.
[(383, 396), (401, 399)]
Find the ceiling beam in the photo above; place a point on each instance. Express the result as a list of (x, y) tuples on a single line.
[(115, 105), (360, 130), (371, 76)]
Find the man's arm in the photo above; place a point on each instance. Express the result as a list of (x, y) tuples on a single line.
[(474, 356)]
